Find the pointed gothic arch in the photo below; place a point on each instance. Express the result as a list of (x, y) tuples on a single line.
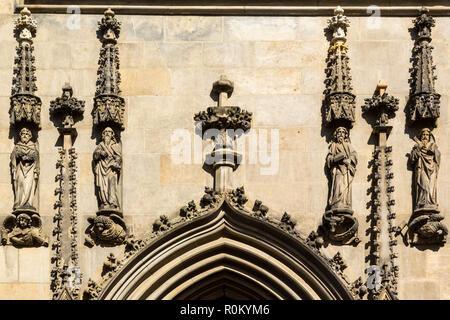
[(226, 253)]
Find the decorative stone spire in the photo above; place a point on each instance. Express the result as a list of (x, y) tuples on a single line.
[(424, 102), (25, 106), (109, 107), (221, 122), (383, 232), (339, 99)]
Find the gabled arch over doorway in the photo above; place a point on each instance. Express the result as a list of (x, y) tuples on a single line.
[(226, 253)]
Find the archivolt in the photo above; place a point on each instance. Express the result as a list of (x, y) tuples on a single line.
[(230, 251)]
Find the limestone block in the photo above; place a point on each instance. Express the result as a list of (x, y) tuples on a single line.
[(47, 197), (229, 54), (311, 28), (88, 205), (85, 168), (84, 55), (83, 83), (389, 28), (9, 259), (7, 6), (25, 291), (60, 28), (7, 195), (312, 80), (145, 81), (419, 290), (293, 138), (172, 173), (279, 198), (50, 82), (182, 54), (141, 28), (193, 28), (290, 53), (52, 55), (283, 110), (5, 86), (139, 169), (131, 54), (133, 141), (7, 53), (34, 265), (263, 81), (260, 28), (158, 140), (195, 81)]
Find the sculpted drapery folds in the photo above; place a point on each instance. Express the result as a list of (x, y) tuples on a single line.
[(425, 157), (341, 163), (25, 171), (108, 164)]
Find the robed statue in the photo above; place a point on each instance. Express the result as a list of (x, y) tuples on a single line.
[(25, 171), (425, 158), (341, 164), (108, 164)]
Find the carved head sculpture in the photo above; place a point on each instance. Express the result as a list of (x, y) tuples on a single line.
[(25, 135), (108, 135), (426, 136), (341, 135), (23, 221), (67, 92), (102, 223)]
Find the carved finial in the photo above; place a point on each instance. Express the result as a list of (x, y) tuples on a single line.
[(25, 12), (109, 13), (381, 87), (338, 11), (224, 88), (338, 25)]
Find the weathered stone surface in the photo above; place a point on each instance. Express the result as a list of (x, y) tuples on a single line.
[(193, 28), (254, 28)]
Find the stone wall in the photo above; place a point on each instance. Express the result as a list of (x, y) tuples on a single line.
[(168, 65)]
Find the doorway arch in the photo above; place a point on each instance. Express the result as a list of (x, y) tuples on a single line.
[(226, 253)]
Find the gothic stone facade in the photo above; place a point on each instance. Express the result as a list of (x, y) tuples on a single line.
[(168, 63)]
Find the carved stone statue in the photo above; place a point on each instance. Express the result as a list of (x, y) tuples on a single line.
[(25, 171), (108, 164), (425, 157), (23, 231), (425, 226), (341, 163)]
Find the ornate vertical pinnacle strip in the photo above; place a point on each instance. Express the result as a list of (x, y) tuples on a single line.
[(108, 227), (223, 124), (424, 102), (22, 227), (383, 232), (339, 99), (25, 106), (65, 274), (109, 107)]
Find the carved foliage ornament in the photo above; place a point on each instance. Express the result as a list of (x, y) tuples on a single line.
[(67, 106), (383, 104)]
